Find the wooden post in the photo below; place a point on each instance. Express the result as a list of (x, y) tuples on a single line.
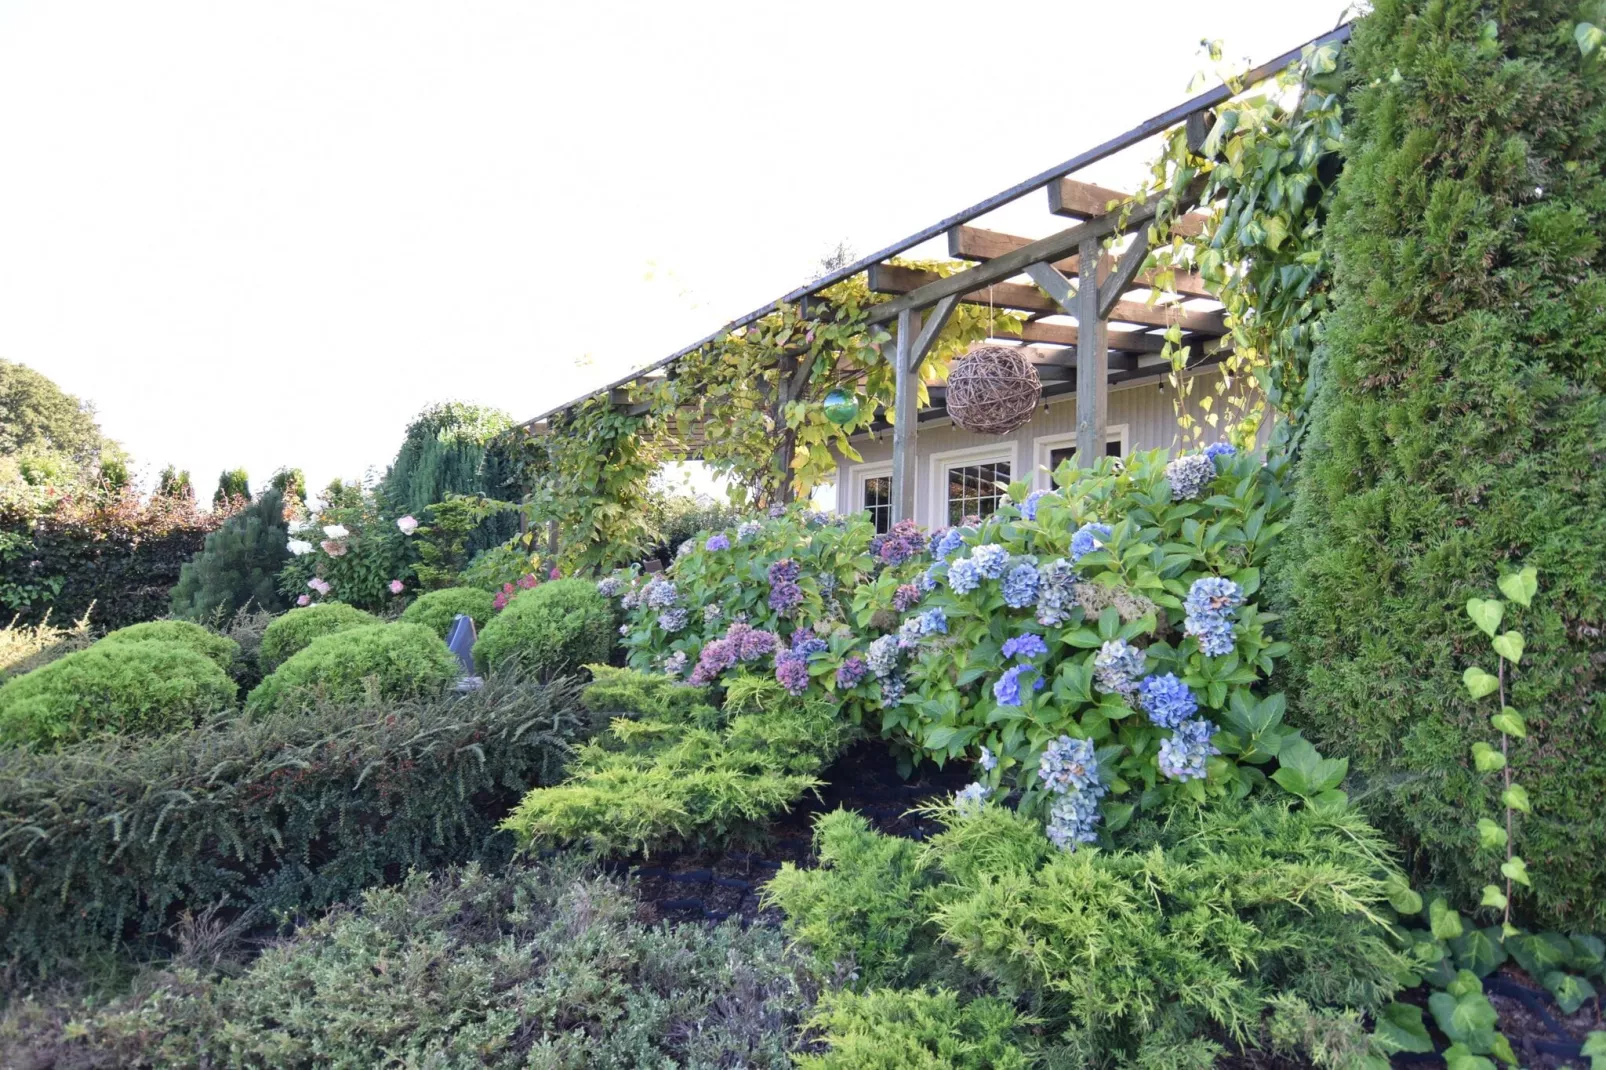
[(1092, 364), (905, 416)]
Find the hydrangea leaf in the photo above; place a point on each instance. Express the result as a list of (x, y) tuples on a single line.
[(1510, 646), (1521, 587), (1486, 758), (1570, 991), (1486, 614), (1479, 683), (1401, 1028)]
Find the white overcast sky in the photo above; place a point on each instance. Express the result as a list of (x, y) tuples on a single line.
[(267, 233)]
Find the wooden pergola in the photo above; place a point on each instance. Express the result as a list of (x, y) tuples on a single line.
[(1084, 322)]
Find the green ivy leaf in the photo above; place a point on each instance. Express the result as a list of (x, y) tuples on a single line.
[(1509, 646), (1460, 1057), (1479, 950), (1486, 758), (1479, 683), (1400, 895), (1510, 722), (1589, 37), (1595, 1048), (1445, 923), (1490, 834), (1486, 614), (1467, 1019), (1400, 1028), (1516, 869), (1516, 797), (1570, 991), (1493, 896), (1521, 587)]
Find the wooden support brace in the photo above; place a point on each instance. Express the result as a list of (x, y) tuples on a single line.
[(936, 320), (1126, 269), (1057, 286)]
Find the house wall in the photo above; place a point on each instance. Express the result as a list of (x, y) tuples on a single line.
[(1142, 414)]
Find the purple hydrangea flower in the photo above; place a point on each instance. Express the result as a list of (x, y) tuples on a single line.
[(1182, 757), (1025, 647), (784, 596), (905, 597), (792, 670), (1167, 700), (784, 571), (851, 671), (717, 542), (1190, 476)]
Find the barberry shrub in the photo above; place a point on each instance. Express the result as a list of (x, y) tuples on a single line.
[(291, 633), (548, 630), (436, 610), (239, 565), (216, 648), (373, 664), (1456, 430), (139, 688), (311, 808)]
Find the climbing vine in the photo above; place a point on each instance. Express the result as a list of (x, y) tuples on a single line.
[(1265, 173)]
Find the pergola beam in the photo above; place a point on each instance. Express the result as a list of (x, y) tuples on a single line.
[(978, 243), (1084, 200)]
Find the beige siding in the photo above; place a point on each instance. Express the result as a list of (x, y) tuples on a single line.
[(1143, 414)]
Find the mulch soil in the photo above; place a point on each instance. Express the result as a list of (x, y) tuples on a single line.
[(714, 885)]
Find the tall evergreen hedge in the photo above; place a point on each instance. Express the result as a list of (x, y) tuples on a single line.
[(1458, 431)]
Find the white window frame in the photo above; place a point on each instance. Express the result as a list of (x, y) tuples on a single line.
[(858, 475), (937, 503), (1042, 446)]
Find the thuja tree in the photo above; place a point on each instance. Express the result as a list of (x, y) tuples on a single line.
[(1457, 429), (448, 449)]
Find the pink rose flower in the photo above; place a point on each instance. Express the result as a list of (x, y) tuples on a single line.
[(407, 524), (304, 600), (396, 586)]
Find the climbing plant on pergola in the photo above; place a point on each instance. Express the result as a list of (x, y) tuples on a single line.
[(1217, 260)]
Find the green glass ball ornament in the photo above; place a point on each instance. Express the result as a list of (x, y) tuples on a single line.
[(841, 407)]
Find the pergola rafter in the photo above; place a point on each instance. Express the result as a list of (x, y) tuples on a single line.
[(1043, 277)]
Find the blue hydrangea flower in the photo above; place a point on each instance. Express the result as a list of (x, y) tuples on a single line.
[(928, 580), (1213, 633), (609, 586), (747, 530), (660, 594), (883, 656), (672, 620), (1166, 700), (988, 760), (972, 798), (716, 542), (1089, 537), (1190, 476), (909, 633), (1073, 819), (950, 542), (1056, 592), (964, 576), (1221, 449), (1210, 605), (1182, 757), (1069, 765), (892, 690), (990, 560), (1007, 689), (933, 622), (1028, 508), (1020, 586), (1116, 668), (1025, 647), (675, 664)]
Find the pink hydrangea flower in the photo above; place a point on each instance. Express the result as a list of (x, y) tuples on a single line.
[(499, 601), (554, 574), (304, 600), (528, 580), (396, 586), (319, 584), (333, 548), (407, 524)]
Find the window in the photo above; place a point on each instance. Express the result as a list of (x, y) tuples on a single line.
[(1060, 454), (976, 489), (877, 501), (1050, 451)]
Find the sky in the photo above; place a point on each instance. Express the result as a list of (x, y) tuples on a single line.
[(262, 234)]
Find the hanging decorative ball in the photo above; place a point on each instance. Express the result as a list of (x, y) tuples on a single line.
[(841, 407), (992, 390)]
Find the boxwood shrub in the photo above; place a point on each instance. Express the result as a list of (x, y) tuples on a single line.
[(386, 662), (105, 844), (206, 643), (133, 687), (291, 633), (437, 609), (554, 628)]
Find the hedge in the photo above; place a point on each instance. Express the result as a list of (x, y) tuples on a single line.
[(387, 662), (554, 628), (437, 609), (209, 645), (1457, 432), (290, 634), (284, 813)]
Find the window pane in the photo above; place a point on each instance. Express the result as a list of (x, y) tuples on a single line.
[(878, 502), (976, 490), (1112, 448)]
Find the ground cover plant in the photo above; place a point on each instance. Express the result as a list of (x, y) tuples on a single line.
[(137, 688), (374, 663), (282, 813), (674, 770), (1456, 432), (541, 966)]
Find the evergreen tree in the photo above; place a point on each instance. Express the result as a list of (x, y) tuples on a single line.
[(450, 449), (1457, 433), (174, 483), (240, 564), (291, 483), (233, 483)]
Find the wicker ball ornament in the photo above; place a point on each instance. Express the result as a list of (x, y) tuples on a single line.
[(992, 390)]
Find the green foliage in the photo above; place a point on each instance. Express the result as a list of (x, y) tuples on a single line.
[(291, 483), (25, 647), (216, 648), (142, 688), (677, 516), (232, 483), (436, 610), (675, 772), (239, 565), (173, 483), (443, 540), (861, 911), (1456, 431), (506, 563), (283, 813), (45, 429), (359, 565), (374, 663), (551, 629), (887, 1029), (291, 633), (449, 449)]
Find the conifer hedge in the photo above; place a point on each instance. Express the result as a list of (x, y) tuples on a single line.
[(1458, 431)]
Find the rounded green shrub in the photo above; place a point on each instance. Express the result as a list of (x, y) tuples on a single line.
[(208, 644), (290, 634), (437, 609), (389, 661), (550, 629), (137, 687)]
